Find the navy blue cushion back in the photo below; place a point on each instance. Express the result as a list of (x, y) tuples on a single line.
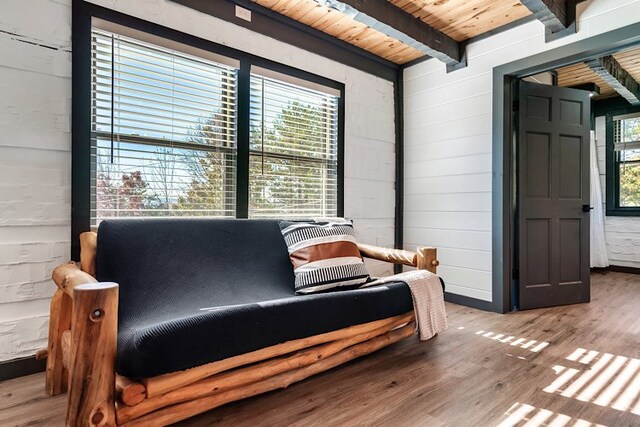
[(163, 260)]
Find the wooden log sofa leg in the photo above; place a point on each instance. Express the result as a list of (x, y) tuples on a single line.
[(56, 375), (92, 382), (82, 342)]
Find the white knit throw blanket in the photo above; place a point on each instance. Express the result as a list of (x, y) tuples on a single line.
[(428, 300)]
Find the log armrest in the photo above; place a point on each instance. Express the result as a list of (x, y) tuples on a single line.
[(68, 276), (425, 258)]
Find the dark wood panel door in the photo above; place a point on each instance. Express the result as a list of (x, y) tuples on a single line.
[(553, 196)]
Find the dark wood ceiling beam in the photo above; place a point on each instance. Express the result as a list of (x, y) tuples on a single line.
[(558, 16), (617, 77), (400, 25)]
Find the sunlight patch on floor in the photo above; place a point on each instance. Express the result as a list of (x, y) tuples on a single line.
[(523, 415), (611, 381), (533, 345)]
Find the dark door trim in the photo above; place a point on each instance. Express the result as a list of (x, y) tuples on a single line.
[(502, 186)]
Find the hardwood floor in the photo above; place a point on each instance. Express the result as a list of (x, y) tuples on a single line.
[(564, 366)]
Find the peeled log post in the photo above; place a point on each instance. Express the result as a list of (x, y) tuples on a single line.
[(428, 259), (258, 372), (165, 383), (88, 246), (129, 392), (396, 256), (68, 276), (181, 411), (94, 324), (59, 322), (66, 349)]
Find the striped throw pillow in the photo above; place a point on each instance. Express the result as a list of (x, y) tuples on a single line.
[(324, 254)]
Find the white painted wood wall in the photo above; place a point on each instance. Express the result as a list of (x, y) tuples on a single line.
[(35, 143), (448, 162), (35, 160), (622, 234)]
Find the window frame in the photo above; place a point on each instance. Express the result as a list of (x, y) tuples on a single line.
[(83, 14), (612, 173)]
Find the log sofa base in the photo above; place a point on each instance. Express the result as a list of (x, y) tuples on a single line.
[(82, 349)]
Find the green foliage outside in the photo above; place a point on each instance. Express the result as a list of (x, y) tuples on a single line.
[(278, 186), (630, 165)]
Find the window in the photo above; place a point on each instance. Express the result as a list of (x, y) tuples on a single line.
[(294, 151), (164, 139), (163, 132), (623, 177)]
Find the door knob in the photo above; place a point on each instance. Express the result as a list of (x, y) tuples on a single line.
[(586, 208)]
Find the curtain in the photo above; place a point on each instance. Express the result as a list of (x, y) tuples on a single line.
[(598, 246)]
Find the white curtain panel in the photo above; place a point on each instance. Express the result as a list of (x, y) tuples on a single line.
[(598, 246)]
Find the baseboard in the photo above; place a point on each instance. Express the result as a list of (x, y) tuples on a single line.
[(21, 367), (469, 302), (623, 269)]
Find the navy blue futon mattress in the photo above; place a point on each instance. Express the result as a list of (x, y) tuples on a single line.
[(194, 291)]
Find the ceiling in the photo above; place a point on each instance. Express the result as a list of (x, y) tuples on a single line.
[(458, 19), (581, 73), (464, 19)]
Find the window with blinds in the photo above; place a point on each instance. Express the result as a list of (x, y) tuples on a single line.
[(293, 166), (626, 140), (163, 131), (164, 140)]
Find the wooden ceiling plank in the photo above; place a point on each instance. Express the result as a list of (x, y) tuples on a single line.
[(339, 26), (398, 24), (327, 20), (412, 57), (267, 3), (483, 19), (314, 14), (617, 77), (451, 15), (347, 34), (284, 6), (304, 7), (580, 73)]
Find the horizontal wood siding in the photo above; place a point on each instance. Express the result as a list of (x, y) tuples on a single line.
[(35, 160), (448, 131)]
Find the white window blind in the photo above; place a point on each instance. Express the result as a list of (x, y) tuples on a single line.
[(293, 168), (163, 131), (626, 132)]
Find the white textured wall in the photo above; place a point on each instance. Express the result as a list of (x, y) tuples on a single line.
[(448, 119), (622, 234), (35, 160), (35, 141)]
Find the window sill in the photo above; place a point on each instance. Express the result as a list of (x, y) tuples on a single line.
[(623, 212)]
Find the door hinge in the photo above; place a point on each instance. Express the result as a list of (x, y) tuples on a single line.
[(515, 274), (516, 105)]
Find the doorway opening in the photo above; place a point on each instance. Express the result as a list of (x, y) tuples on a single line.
[(508, 219)]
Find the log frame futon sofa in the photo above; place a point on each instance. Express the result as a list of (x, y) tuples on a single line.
[(83, 348)]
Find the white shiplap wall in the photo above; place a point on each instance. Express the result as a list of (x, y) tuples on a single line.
[(448, 162), (35, 141), (622, 234)]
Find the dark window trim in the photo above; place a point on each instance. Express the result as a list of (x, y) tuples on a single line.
[(82, 14), (612, 177)]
